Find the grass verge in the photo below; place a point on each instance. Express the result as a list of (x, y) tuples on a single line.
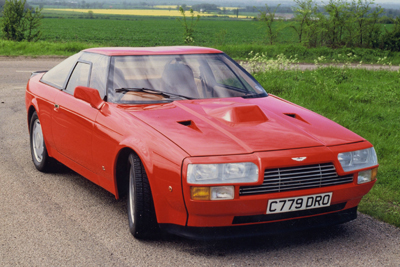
[(308, 55), (41, 48), (238, 52), (363, 101)]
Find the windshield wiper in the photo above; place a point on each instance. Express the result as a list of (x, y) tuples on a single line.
[(150, 91)]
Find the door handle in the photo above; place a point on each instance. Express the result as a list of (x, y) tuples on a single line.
[(56, 107)]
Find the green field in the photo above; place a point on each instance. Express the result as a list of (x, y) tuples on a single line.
[(149, 31), (63, 36)]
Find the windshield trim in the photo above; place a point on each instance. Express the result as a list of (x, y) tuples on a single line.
[(246, 72)]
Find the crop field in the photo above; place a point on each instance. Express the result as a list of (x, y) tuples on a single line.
[(149, 31), (66, 36), (63, 35), (138, 12), (174, 7), (144, 31)]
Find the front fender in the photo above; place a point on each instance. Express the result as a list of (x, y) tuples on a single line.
[(162, 162)]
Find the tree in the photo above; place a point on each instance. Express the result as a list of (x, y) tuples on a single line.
[(236, 12), (268, 18), (336, 22), (189, 28), (366, 20), (20, 23), (13, 25), (303, 16), (315, 32), (391, 39), (90, 14), (33, 19)]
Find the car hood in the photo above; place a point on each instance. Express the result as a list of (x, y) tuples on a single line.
[(238, 126)]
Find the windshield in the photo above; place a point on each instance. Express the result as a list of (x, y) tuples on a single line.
[(165, 78)]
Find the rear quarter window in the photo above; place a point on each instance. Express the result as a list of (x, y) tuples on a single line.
[(57, 76)]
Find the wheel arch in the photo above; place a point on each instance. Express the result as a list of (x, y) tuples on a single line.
[(168, 204), (126, 146), (31, 110), (122, 171)]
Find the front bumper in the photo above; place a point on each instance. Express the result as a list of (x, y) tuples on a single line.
[(244, 210), (272, 228)]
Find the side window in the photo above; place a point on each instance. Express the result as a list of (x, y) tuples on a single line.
[(58, 75), (80, 76), (98, 77), (223, 75)]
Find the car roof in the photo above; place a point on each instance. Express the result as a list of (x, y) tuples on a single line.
[(160, 50)]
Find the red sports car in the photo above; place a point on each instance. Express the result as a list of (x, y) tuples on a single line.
[(194, 141)]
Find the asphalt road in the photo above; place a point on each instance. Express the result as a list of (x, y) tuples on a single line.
[(63, 219)]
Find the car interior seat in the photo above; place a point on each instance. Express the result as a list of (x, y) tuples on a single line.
[(178, 78)]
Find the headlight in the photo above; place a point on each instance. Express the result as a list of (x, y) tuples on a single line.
[(357, 160), (245, 172)]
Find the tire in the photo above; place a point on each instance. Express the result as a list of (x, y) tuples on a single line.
[(41, 159), (141, 212)]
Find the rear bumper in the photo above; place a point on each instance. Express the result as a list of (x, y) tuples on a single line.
[(272, 228)]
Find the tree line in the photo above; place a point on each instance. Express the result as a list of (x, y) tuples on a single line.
[(338, 23), (387, 13)]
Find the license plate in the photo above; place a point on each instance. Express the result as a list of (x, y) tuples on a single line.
[(299, 203)]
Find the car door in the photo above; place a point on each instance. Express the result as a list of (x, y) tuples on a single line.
[(52, 81), (73, 119)]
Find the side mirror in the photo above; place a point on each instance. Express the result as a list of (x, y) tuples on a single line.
[(89, 95)]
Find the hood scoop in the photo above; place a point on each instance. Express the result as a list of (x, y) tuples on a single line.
[(296, 116), (190, 124), (238, 114)]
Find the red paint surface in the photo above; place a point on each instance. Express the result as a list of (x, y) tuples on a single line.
[(89, 95), (160, 50)]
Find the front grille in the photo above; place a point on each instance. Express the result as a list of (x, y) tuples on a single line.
[(296, 178)]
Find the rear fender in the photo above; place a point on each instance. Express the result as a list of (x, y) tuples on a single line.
[(31, 106)]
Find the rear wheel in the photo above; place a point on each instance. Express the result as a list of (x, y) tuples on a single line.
[(40, 157), (141, 212)]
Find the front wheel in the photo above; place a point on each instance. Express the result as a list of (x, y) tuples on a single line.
[(41, 159), (141, 212)]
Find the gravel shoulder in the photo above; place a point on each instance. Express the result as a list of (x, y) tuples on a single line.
[(62, 219)]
